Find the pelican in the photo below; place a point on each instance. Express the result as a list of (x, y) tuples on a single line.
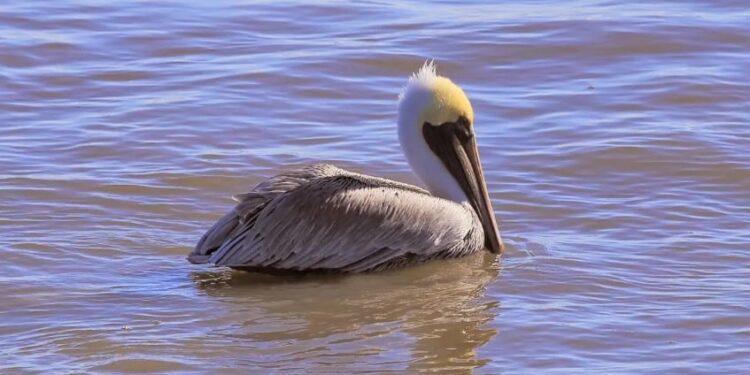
[(324, 218)]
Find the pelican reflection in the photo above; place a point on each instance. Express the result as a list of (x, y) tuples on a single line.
[(431, 317)]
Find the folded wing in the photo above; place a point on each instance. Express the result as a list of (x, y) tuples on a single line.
[(322, 217)]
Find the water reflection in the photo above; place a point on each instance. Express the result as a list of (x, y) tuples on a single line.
[(435, 312)]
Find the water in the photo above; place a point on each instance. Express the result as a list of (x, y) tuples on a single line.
[(614, 137)]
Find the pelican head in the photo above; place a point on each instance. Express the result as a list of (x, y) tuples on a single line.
[(436, 132)]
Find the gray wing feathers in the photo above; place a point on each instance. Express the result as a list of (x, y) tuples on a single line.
[(231, 229), (334, 219), (214, 238)]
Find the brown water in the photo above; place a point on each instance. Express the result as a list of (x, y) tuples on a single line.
[(615, 139)]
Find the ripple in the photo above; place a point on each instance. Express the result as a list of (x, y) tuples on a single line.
[(614, 138)]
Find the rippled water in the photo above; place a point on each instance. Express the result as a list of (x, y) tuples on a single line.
[(615, 139)]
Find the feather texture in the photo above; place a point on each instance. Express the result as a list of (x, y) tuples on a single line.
[(322, 217)]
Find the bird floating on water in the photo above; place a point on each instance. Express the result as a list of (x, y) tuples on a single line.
[(324, 218)]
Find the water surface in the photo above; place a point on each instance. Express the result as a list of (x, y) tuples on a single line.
[(614, 138)]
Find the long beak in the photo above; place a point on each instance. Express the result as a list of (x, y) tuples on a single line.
[(454, 143)]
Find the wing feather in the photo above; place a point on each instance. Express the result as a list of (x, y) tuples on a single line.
[(337, 220), (230, 231)]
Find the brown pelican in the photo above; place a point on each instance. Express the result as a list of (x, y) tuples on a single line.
[(323, 218)]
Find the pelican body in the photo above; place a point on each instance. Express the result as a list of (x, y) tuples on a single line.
[(324, 218)]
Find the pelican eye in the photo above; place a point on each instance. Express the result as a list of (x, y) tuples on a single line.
[(463, 129), (463, 121)]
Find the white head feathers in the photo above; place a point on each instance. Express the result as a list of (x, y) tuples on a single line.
[(424, 78), (433, 98)]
